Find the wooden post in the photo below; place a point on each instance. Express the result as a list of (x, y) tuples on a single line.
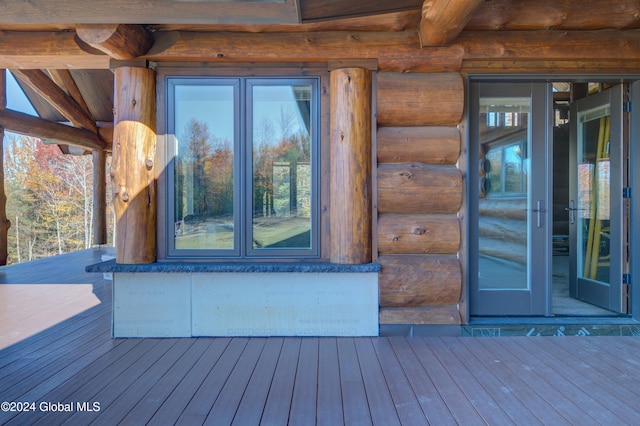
[(351, 166), (132, 170), (5, 224), (99, 198)]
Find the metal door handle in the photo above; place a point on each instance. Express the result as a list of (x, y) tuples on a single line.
[(571, 209), (539, 210)]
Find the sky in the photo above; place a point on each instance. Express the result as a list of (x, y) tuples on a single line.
[(16, 100)]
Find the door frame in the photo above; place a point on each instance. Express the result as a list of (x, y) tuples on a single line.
[(470, 234)]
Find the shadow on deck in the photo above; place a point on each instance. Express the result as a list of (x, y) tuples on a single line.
[(69, 370)]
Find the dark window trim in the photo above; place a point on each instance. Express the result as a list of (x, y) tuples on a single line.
[(166, 250)]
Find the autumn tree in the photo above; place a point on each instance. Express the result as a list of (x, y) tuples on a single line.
[(49, 199)]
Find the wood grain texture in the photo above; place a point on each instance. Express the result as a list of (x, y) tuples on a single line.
[(442, 21), (419, 280), (425, 144), (418, 234), (99, 197), (133, 163), (417, 188), (565, 15), (58, 98), (117, 40), (29, 125), (420, 99), (144, 12), (420, 315), (351, 166)]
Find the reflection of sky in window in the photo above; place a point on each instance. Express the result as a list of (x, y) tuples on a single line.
[(278, 106), (213, 105), (208, 104)]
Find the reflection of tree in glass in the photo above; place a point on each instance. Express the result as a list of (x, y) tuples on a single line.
[(275, 169), (204, 174)]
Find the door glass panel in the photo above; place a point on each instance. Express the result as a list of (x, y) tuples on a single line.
[(281, 166), (593, 203), (505, 144)]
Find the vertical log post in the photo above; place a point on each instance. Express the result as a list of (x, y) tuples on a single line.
[(5, 224), (99, 198), (132, 169), (351, 166)]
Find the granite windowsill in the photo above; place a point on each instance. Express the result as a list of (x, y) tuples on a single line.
[(266, 267)]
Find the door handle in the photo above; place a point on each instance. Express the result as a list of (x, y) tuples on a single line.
[(571, 209), (539, 209)]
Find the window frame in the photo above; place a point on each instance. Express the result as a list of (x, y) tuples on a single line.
[(243, 191)]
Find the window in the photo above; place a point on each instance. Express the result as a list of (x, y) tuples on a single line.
[(243, 175), (506, 168)]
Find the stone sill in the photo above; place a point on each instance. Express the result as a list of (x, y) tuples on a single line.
[(265, 267)]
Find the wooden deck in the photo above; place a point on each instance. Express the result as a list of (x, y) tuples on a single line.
[(57, 355)]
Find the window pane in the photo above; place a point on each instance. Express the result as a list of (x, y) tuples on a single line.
[(204, 194), (513, 173), (281, 176)]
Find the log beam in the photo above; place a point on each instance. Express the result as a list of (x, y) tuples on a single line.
[(441, 315), (99, 198), (443, 20), (418, 234), (133, 165), (46, 50), (5, 224), (396, 51), (45, 87), (420, 99), (351, 165), (418, 188), (428, 144), (65, 81), (29, 125), (118, 41)]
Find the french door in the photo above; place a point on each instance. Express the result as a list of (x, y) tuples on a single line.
[(509, 210), (597, 223)]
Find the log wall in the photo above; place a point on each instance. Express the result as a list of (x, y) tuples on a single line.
[(420, 192)]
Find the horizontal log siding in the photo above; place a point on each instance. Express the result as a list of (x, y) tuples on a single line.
[(420, 99), (420, 192), (426, 144), (419, 280), (416, 188), (418, 234)]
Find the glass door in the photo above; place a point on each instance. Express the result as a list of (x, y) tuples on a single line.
[(596, 213), (509, 208)]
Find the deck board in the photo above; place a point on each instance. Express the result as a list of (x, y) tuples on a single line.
[(255, 396), (329, 392), (303, 403), (276, 381)]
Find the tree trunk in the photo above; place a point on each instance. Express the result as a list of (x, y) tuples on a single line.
[(4, 222)]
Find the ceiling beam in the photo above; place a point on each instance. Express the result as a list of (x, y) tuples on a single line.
[(394, 50), (46, 50), (567, 15), (144, 12), (52, 93), (443, 20), (65, 81), (51, 131), (118, 41)]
